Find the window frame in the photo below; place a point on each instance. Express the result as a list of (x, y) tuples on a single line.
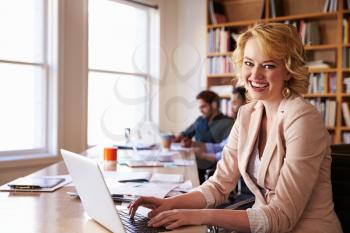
[(49, 66), (152, 18)]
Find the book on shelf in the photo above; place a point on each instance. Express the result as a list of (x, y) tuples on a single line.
[(346, 113), (317, 83), (347, 84), (326, 5), (276, 7), (220, 41), (313, 36), (262, 12), (322, 83), (217, 12), (220, 65), (318, 64), (346, 31), (309, 32), (330, 114), (332, 82), (225, 106), (346, 59), (346, 138), (327, 110), (330, 6), (222, 90)]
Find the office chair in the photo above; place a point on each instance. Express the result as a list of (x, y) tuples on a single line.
[(340, 177), (239, 199)]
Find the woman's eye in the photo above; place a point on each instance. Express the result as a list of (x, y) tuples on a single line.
[(248, 63), (269, 66)]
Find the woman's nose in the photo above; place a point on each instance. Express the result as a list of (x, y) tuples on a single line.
[(257, 73)]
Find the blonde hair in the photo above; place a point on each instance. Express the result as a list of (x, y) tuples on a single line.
[(281, 42)]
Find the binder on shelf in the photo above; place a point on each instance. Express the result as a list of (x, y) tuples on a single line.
[(347, 84), (326, 6), (276, 7), (262, 12), (313, 36), (346, 137), (346, 113), (217, 12)]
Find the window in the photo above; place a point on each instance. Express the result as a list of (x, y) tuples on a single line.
[(24, 76), (119, 72)]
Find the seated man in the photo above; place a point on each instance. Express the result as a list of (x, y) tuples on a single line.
[(212, 126), (209, 153)]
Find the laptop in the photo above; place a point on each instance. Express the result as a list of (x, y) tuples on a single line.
[(96, 198)]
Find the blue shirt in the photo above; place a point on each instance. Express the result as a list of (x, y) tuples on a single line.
[(215, 131), (216, 148)]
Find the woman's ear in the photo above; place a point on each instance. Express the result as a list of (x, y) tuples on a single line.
[(214, 105), (288, 76)]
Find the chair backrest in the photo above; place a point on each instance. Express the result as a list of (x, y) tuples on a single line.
[(341, 183)]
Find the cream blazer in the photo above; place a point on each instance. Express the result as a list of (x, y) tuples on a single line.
[(294, 171)]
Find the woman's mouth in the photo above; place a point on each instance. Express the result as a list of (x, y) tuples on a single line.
[(258, 86)]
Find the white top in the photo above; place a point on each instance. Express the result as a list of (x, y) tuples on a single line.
[(257, 218)]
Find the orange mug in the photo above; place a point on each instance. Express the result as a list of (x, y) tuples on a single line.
[(110, 154)]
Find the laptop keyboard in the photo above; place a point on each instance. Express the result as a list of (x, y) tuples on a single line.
[(138, 224)]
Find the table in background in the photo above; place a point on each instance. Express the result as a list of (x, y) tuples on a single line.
[(57, 212)]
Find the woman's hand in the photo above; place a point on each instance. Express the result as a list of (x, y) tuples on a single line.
[(157, 205), (175, 218)]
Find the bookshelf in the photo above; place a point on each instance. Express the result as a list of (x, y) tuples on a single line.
[(329, 89)]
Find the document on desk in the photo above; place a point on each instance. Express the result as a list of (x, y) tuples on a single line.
[(155, 177), (149, 155), (141, 189), (178, 147)]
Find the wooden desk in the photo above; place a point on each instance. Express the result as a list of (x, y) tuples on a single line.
[(57, 212)]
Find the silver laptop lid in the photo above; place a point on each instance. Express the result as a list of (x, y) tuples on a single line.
[(92, 190)]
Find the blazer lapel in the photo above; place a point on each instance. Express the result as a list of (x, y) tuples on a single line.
[(253, 131), (270, 145)]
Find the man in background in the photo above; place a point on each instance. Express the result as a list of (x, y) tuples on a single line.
[(207, 154), (212, 126)]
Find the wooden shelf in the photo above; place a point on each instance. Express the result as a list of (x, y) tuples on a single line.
[(322, 70), (347, 11), (225, 96), (220, 75), (317, 95), (320, 15), (236, 23), (243, 14), (219, 54), (320, 47)]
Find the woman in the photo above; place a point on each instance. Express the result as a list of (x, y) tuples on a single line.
[(279, 145)]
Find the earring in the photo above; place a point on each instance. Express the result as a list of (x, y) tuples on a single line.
[(286, 92)]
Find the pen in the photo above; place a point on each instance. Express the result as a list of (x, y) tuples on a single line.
[(115, 197), (25, 186)]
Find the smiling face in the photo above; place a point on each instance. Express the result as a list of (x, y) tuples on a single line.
[(264, 77)]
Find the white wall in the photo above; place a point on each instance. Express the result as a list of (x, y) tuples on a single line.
[(182, 39), (183, 33), (73, 77), (182, 75)]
